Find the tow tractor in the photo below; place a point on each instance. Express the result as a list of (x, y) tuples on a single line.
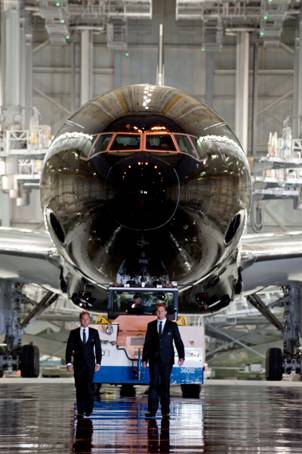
[(130, 309)]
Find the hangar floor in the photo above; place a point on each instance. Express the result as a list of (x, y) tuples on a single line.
[(246, 417)]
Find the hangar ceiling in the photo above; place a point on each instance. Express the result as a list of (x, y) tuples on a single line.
[(57, 20)]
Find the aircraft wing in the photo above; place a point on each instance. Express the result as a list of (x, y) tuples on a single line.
[(270, 259), (266, 259), (30, 257)]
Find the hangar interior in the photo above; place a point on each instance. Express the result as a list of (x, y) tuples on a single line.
[(241, 57)]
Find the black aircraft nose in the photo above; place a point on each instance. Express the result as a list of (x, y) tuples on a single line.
[(142, 191)]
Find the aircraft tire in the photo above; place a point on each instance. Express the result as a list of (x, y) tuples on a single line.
[(273, 364), (191, 391), (30, 361)]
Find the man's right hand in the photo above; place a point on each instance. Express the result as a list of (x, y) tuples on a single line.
[(144, 363), (69, 367)]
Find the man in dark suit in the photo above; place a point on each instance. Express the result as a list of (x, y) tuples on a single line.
[(159, 352), (84, 346)]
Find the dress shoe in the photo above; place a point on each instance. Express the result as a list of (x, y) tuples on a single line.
[(150, 414)]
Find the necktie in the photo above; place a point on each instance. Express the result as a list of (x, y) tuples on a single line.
[(84, 336), (160, 328)]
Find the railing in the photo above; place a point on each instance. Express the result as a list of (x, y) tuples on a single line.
[(21, 159)]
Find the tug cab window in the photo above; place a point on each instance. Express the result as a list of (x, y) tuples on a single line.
[(140, 303), (126, 142), (160, 142)]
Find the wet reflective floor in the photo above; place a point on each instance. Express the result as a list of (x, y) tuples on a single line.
[(230, 418)]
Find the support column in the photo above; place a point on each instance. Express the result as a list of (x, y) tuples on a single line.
[(210, 74), (242, 89), (5, 209), (2, 61), (254, 100), (86, 65), (11, 18), (160, 76), (10, 82), (26, 71), (73, 79), (297, 83)]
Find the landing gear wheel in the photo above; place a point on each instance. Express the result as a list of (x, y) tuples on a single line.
[(273, 364), (127, 391), (192, 391), (30, 361)]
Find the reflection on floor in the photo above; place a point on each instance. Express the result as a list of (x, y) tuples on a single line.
[(40, 418), (120, 426)]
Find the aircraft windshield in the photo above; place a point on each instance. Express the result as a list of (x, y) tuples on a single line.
[(160, 142), (103, 142), (144, 141), (184, 144), (126, 142), (140, 303)]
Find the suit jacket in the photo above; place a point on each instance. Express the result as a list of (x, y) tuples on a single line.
[(158, 347), (84, 355)]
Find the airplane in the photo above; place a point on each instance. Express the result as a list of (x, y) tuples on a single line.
[(145, 186)]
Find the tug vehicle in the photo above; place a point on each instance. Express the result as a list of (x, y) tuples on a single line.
[(130, 309)]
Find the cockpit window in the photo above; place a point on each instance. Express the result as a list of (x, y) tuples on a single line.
[(126, 142), (198, 149), (160, 142), (103, 142), (184, 144)]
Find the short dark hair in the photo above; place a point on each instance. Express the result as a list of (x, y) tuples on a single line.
[(83, 313), (161, 305)]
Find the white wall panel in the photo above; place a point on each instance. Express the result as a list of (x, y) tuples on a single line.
[(185, 69), (28, 215)]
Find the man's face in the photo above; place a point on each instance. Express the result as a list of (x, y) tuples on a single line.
[(137, 301), (161, 313), (85, 320)]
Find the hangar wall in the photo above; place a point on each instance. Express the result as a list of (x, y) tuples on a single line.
[(56, 81)]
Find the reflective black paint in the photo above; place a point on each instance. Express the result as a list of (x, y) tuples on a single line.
[(107, 213)]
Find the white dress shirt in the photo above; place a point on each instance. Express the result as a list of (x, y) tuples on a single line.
[(162, 325)]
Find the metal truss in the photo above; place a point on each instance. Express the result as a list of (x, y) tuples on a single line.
[(263, 16), (64, 16)]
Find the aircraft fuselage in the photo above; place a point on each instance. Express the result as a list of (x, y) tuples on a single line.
[(147, 184)]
